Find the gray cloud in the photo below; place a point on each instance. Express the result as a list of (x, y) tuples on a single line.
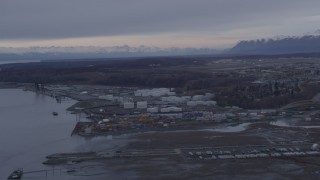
[(47, 19)]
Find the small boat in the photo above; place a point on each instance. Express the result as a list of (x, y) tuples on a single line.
[(17, 174), (71, 170), (55, 113)]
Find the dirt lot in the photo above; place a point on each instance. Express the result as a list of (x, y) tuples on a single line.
[(180, 167)]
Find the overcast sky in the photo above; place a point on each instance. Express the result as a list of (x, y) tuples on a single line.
[(162, 23)]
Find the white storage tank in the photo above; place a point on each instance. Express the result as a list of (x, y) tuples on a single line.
[(171, 109), (128, 105), (118, 99), (156, 92), (211, 103), (165, 110), (177, 109), (191, 103), (198, 97), (173, 99), (203, 103), (142, 104), (209, 95), (84, 92), (108, 97), (152, 110), (200, 102), (138, 93), (105, 120), (171, 93), (186, 98), (315, 147)]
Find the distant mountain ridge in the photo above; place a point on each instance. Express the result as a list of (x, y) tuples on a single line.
[(80, 52), (273, 46), (284, 45)]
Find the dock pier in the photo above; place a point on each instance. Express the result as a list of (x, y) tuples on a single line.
[(46, 172)]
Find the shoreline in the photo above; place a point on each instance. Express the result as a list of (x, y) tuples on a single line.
[(28, 87), (29, 116)]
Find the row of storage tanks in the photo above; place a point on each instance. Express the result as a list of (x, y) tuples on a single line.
[(195, 100), (167, 95), (144, 105), (183, 99), (173, 100), (156, 92), (131, 105)]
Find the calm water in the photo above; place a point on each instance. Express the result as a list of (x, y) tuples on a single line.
[(18, 61), (29, 131)]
